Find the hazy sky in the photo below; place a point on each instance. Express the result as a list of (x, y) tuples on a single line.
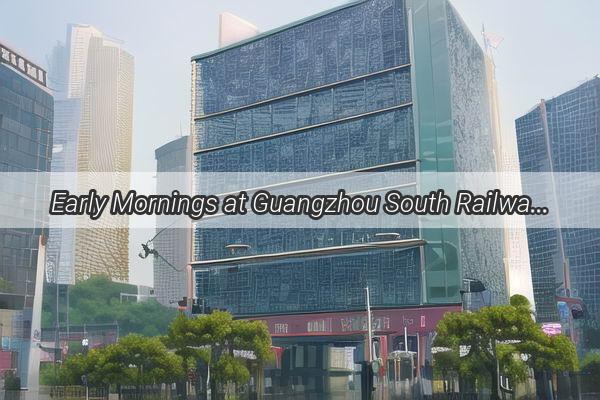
[(550, 46)]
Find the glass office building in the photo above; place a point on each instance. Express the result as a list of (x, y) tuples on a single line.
[(173, 244), (340, 92), (26, 114), (60, 251), (383, 85), (563, 135), (92, 76)]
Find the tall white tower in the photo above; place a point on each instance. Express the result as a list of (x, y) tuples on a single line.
[(94, 134), (516, 251)]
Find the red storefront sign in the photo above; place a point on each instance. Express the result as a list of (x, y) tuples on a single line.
[(416, 320), (6, 360)]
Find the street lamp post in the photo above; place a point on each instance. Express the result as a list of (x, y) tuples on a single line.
[(140, 367), (369, 331), (84, 379), (367, 365)]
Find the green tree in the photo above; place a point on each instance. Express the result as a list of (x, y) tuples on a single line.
[(493, 341), (134, 360), (97, 300), (217, 339), (6, 286), (149, 358), (590, 368), (50, 374), (11, 381), (590, 334), (74, 367), (147, 318)]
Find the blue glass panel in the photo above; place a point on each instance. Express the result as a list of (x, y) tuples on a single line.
[(334, 283), (210, 244), (382, 139), (563, 135), (325, 105), (367, 37)]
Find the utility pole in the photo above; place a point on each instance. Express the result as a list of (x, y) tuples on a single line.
[(369, 331), (57, 349), (367, 365)]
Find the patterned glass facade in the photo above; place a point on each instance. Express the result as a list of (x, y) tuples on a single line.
[(173, 244), (343, 146), (353, 41), (26, 115), (333, 93), (93, 76), (453, 123), (280, 240), (563, 135), (481, 249), (60, 256), (316, 284)]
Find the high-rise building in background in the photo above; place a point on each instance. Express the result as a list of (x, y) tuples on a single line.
[(93, 79), (26, 114), (516, 252), (384, 85), (60, 254), (173, 165), (563, 135)]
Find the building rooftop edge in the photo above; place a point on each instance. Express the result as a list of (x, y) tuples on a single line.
[(175, 144), (23, 75), (589, 81), (276, 30), (21, 53)]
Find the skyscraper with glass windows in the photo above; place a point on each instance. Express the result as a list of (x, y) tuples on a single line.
[(563, 135), (93, 78), (26, 115), (383, 85), (173, 163)]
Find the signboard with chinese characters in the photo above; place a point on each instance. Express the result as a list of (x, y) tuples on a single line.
[(7, 56), (416, 320)]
